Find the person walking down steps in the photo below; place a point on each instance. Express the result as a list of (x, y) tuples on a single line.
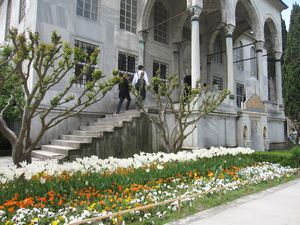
[(123, 92), (140, 80)]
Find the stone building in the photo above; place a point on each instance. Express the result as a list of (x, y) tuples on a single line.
[(234, 44)]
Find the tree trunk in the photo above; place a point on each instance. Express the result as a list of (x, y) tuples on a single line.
[(19, 154), (16, 155)]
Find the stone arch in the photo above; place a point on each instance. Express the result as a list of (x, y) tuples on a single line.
[(238, 41), (161, 33), (223, 11), (252, 10), (178, 33), (272, 46), (147, 17), (181, 23), (214, 36), (269, 23), (146, 13), (221, 5)]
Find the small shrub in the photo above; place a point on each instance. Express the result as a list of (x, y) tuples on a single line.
[(296, 152), (285, 158)]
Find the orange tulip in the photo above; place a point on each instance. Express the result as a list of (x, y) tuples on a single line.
[(11, 210), (61, 201)]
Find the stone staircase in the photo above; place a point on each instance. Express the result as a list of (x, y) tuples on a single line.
[(80, 142)]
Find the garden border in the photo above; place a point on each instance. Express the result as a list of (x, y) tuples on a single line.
[(178, 199)]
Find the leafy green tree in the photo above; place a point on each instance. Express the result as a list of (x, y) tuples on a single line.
[(284, 36), (291, 70), (193, 104), (49, 64), (13, 113)]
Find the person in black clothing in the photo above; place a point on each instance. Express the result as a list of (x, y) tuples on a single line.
[(123, 92), (187, 83), (140, 85)]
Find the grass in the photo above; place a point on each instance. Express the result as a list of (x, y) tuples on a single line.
[(213, 200)]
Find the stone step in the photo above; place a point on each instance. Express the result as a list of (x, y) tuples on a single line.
[(44, 155), (134, 114), (69, 143), (79, 138), (129, 112), (124, 114), (114, 120), (98, 128), (113, 123), (64, 150), (110, 122), (118, 118), (72, 143), (88, 133)]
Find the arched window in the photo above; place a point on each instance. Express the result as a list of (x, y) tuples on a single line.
[(161, 30), (253, 62), (218, 56), (22, 10), (239, 56), (8, 18)]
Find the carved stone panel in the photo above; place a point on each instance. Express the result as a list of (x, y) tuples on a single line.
[(254, 104)]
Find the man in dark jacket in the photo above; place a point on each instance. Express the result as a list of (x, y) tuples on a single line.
[(123, 92)]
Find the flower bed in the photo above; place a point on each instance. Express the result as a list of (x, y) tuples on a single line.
[(110, 165), (58, 194)]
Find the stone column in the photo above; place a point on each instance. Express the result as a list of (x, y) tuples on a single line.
[(176, 52), (229, 51), (278, 78), (142, 43), (177, 68), (260, 69), (195, 7)]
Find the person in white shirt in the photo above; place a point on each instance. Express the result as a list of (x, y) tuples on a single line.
[(140, 81)]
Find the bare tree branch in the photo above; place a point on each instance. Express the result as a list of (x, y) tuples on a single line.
[(49, 63), (191, 108)]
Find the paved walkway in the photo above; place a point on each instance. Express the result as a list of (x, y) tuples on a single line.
[(7, 161), (276, 206)]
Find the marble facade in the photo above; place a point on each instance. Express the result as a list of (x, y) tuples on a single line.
[(246, 60)]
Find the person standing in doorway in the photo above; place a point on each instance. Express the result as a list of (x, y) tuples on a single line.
[(123, 92)]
